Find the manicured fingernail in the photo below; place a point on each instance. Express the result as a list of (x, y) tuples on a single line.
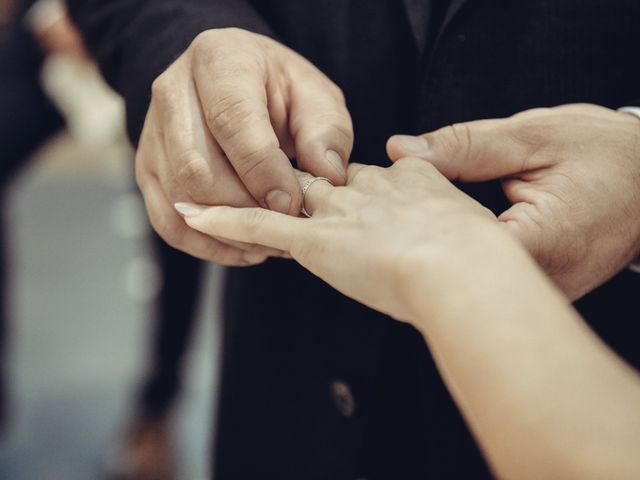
[(188, 209), (253, 258), (412, 145), (278, 201), (335, 160)]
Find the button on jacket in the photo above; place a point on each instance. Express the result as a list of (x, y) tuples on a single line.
[(315, 386)]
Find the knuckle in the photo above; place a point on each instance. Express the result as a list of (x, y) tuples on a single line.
[(229, 49), (158, 88), (536, 112), (142, 176), (413, 163), (531, 134), (194, 174), (141, 173), (251, 162), (209, 46), (203, 42), (367, 174), (339, 123), (329, 86), (162, 89), (170, 231), (339, 93), (409, 169), (230, 114), (205, 45), (460, 139)]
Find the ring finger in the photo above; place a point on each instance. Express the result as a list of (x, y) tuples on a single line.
[(314, 190)]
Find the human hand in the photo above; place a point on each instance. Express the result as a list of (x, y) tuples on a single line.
[(572, 174), (223, 122), (390, 238)]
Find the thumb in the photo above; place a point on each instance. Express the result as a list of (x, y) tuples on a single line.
[(322, 129), (471, 152)]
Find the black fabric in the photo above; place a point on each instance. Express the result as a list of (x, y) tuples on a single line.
[(420, 13), (27, 116), (288, 335)]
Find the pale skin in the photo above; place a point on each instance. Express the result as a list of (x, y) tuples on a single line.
[(572, 174), (224, 120), (229, 113), (543, 395)]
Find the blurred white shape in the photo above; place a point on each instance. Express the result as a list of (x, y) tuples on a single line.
[(142, 279), (128, 216), (95, 142), (94, 113), (43, 14)]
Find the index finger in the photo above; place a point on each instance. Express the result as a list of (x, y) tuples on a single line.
[(249, 225), (233, 96)]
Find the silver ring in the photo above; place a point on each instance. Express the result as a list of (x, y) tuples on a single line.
[(305, 188)]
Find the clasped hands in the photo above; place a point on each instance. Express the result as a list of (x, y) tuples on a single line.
[(226, 117)]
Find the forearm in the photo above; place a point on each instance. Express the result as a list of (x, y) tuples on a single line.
[(134, 41), (544, 397)]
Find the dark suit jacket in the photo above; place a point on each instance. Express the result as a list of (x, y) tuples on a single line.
[(27, 116), (315, 385)]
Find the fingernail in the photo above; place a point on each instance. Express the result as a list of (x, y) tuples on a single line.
[(253, 258), (278, 201), (335, 160), (188, 209), (412, 145)]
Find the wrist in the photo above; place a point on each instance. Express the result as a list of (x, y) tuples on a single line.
[(447, 281), (504, 286)]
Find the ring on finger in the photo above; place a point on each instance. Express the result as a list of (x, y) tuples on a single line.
[(305, 189)]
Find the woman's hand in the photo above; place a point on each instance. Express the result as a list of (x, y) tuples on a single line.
[(388, 238), (543, 395)]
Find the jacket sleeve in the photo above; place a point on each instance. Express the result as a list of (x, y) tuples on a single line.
[(134, 41)]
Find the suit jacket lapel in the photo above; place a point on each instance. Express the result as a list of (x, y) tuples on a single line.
[(418, 15), (452, 11)]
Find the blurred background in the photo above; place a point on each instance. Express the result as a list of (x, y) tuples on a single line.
[(102, 374)]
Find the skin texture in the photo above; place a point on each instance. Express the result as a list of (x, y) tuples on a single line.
[(572, 174), (544, 397), (224, 120), (391, 205)]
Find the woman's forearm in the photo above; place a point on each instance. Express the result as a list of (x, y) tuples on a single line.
[(543, 395)]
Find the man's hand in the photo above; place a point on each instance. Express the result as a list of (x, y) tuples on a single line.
[(223, 122), (572, 174)]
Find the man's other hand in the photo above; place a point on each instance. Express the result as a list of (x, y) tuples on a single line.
[(572, 174)]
